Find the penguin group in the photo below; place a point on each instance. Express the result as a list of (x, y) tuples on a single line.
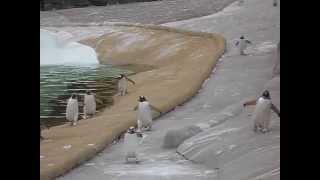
[(133, 136), (72, 109)]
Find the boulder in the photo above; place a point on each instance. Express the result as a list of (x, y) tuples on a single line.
[(174, 137)]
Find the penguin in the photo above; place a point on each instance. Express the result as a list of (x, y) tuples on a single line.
[(144, 116), (243, 42), (130, 145), (123, 84), (72, 110), (262, 112), (89, 106)]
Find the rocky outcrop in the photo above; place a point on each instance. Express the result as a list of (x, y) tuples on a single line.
[(65, 4)]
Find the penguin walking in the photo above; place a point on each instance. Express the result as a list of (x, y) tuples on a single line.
[(243, 42), (262, 112), (144, 117), (131, 143), (72, 110), (89, 107), (123, 84)]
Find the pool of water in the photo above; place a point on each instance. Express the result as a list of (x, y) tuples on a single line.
[(58, 82)]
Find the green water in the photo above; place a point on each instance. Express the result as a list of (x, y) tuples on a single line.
[(58, 82)]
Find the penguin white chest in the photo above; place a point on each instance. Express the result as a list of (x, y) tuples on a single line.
[(123, 84), (72, 109), (242, 44), (131, 142), (144, 113), (89, 104), (262, 111)]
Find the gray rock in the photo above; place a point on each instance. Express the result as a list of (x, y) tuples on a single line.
[(174, 137), (101, 2)]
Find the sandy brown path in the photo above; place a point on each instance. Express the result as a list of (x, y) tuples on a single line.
[(182, 61)]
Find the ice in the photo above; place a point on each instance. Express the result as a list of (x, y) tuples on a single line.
[(56, 50)]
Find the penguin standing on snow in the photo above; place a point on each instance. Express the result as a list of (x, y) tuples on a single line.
[(262, 112), (89, 107), (130, 145), (72, 111), (242, 44), (144, 117), (123, 84)]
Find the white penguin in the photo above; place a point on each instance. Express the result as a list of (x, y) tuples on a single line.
[(89, 106), (262, 112), (144, 117), (72, 110), (242, 44), (130, 145), (123, 84)]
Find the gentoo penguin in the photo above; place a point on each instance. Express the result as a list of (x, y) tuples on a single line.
[(72, 110), (262, 112), (144, 117), (130, 145), (89, 106), (242, 44), (123, 84)]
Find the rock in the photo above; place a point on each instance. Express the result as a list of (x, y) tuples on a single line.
[(175, 137), (80, 3), (101, 2)]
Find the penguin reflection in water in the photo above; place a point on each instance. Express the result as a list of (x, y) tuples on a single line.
[(243, 42), (144, 118), (262, 112), (72, 111), (132, 139), (123, 84), (89, 106)]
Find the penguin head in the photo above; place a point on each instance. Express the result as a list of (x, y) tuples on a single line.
[(266, 94), (88, 92), (142, 99), (242, 37), (73, 96), (131, 130)]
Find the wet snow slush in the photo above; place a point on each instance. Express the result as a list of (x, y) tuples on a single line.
[(239, 152)]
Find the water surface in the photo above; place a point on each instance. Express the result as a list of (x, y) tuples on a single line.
[(58, 82)]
